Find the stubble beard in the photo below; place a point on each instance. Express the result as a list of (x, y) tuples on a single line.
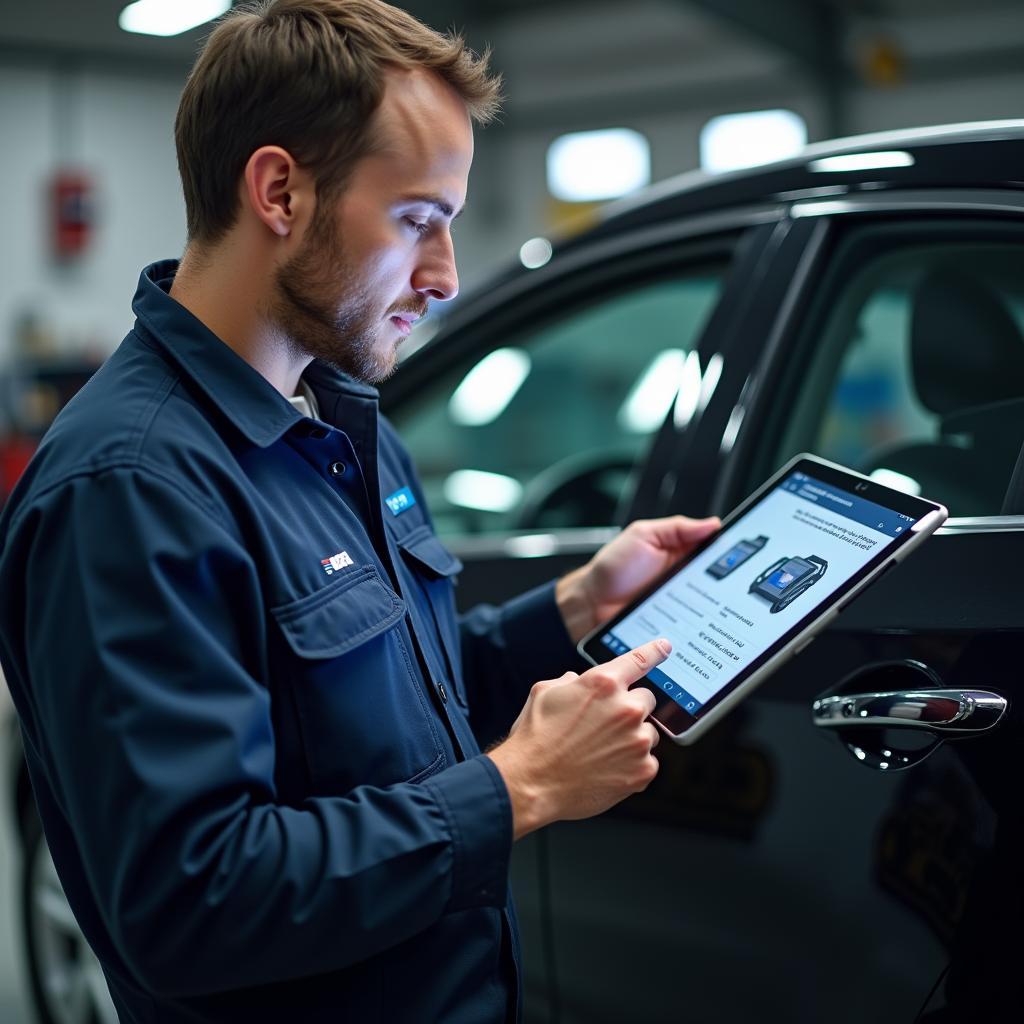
[(318, 318)]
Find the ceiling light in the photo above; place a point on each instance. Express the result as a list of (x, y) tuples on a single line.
[(488, 492), (862, 162), (696, 389), (897, 481), (169, 17), (592, 166), (488, 388), (732, 141), (532, 545), (651, 397), (535, 253)]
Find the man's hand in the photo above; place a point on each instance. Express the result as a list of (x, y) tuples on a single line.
[(593, 593), (582, 742)]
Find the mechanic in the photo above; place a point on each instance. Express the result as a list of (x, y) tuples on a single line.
[(252, 718)]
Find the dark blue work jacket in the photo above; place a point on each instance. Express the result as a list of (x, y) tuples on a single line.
[(251, 716)]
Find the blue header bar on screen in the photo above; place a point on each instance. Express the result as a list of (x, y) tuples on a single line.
[(843, 503)]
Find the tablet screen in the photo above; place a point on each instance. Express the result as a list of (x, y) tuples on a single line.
[(763, 575)]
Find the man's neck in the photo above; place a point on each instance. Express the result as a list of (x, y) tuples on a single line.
[(226, 288)]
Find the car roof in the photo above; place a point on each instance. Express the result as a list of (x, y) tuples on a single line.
[(981, 154), (977, 154)]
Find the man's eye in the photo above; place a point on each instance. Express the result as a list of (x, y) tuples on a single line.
[(419, 226)]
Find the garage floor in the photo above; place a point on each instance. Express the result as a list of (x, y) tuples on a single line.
[(13, 1004)]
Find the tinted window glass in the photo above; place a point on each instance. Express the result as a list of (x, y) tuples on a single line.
[(541, 430), (917, 374)]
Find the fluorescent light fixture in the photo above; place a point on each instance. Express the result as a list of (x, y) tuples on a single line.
[(732, 141), (532, 545), (488, 492), (819, 209), (732, 428), (488, 388), (169, 17), (535, 253), (862, 162), (591, 166), (688, 396), (897, 481), (708, 383), (695, 390), (650, 398)]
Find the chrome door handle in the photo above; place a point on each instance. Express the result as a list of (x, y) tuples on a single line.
[(943, 712)]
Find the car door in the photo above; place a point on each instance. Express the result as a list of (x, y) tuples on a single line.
[(802, 872), (649, 902), (538, 413)]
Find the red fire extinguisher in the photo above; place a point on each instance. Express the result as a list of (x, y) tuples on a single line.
[(71, 194)]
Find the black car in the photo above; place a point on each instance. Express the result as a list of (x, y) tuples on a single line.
[(865, 302)]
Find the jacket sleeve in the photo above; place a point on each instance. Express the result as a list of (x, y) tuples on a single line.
[(505, 650), (130, 617)]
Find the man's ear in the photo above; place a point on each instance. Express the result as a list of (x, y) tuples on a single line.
[(278, 191)]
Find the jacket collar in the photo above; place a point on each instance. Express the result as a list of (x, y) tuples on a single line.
[(239, 391)]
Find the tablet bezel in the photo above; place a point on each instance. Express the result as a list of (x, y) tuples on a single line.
[(684, 727)]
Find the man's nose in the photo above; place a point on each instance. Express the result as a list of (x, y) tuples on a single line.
[(435, 276)]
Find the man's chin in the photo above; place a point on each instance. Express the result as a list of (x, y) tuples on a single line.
[(376, 373), (385, 372), (365, 363)]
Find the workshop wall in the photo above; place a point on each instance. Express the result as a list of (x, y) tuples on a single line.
[(117, 127), (118, 131)]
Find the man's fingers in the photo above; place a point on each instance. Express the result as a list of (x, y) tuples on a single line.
[(643, 699), (635, 664), (546, 684), (676, 532), (654, 734)]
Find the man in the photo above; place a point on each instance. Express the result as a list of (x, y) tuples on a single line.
[(252, 720)]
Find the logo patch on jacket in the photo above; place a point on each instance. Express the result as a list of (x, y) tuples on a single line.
[(335, 562), (400, 501)]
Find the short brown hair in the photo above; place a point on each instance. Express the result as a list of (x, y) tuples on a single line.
[(306, 75)]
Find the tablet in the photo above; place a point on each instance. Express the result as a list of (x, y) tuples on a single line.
[(783, 565)]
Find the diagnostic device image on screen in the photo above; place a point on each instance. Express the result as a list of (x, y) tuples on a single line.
[(735, 557), (786, 579), (801, 541)]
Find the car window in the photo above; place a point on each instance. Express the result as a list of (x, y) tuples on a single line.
[(915, 373), (541, 429)]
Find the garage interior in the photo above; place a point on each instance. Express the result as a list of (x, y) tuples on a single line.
[(86, 112)]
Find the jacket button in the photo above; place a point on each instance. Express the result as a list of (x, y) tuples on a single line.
[(318, 433), (337, 469)]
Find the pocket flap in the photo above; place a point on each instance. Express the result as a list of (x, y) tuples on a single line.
[(341, 616), (423, 547)]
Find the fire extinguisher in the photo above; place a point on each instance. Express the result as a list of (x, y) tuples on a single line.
[(71, 198)]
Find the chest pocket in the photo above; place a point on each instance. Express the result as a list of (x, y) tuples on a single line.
[(361, 710), (435, 569)]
